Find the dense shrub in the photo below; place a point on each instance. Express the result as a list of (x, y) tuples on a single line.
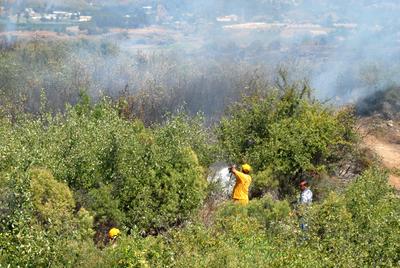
[(342, 228), (38, 223), (123, 172), (163, 183), (375, 210), (284, 134), (343, 231), (51, 199)]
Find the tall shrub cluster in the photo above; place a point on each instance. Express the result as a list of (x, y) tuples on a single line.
[(38, 224), (285, 135), (355, 228), (90, 159)]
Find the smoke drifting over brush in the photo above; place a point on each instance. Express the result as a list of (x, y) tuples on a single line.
[(367, 59), (353, 49), (346, 49)]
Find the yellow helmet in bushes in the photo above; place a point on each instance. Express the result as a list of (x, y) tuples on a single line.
[(246, 168), (114, 232)]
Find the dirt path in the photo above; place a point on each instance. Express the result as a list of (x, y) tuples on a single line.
[(395, 181), (390, 154)]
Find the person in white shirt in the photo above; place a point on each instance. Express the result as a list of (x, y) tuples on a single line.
[(305, 199), (306, 195)]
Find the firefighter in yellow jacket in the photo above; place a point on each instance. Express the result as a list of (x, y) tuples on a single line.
[(241, 190)]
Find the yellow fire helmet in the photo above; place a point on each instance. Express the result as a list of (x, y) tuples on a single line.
[(114, 232), (246, 168)]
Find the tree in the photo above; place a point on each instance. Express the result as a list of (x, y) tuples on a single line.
[(283, 132)]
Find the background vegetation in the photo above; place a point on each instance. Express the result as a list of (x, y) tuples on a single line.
[(74, 163), (149, 84)]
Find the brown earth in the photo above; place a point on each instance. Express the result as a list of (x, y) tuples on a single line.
[(150, 33), (33, 34), (383, 138)]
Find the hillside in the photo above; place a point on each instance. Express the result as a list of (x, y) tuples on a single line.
[(385, 103), (121, 122), (383, 137)]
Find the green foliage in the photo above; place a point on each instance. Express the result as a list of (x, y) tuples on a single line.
[(123, 172), (265, 211), (64, 175), (343, 231), (135, 251), (376, 211), (357, 227), (170, 174), (19, 236), (106, 207), (191, 131), (38, 224), (284, 134), (263, 182), (51, 199)]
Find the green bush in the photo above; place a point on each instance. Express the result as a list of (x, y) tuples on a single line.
[(135, 251), (343, 231), (38, 224), (375, 211), (107, 208), (357, 227), (20, 236), (52, 200), (162, 181), (284, 135), (264, 182), (124, 173)]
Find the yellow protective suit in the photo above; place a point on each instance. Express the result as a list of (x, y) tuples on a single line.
[(241, 190)]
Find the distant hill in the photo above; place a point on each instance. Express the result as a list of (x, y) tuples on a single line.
[(69, 5), (220, 7)]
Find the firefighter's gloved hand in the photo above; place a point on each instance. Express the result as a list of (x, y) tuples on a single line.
[(231, 168)]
